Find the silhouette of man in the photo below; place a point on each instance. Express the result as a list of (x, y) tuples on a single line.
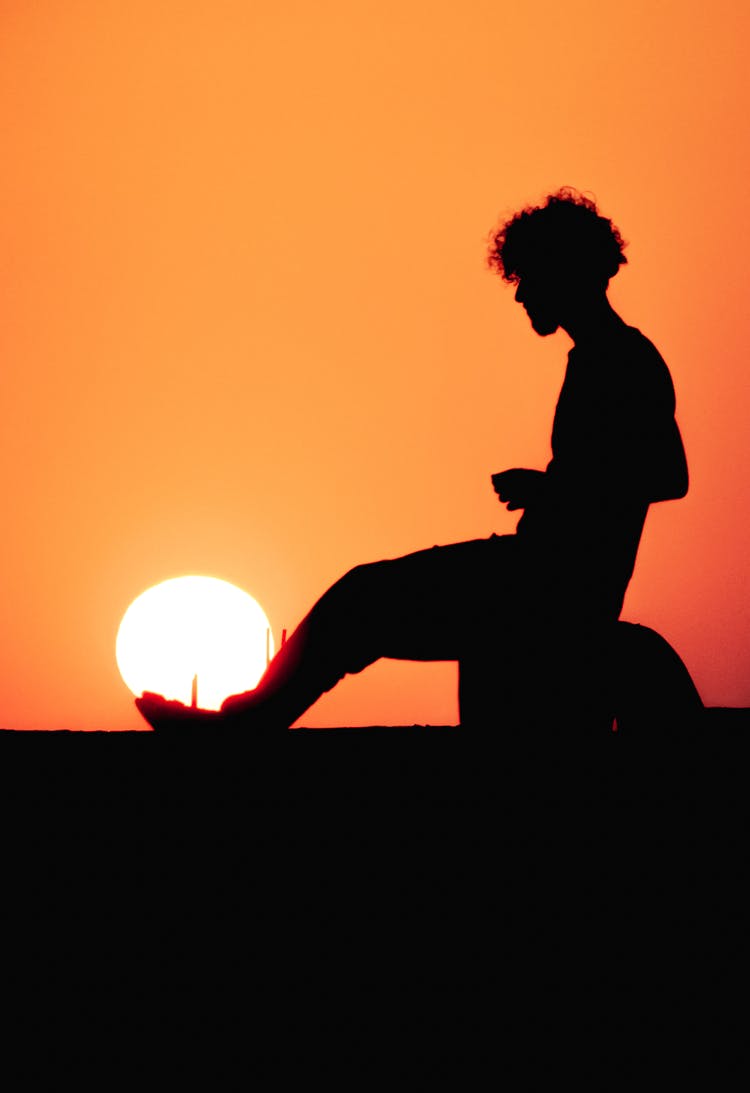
[(616, 448)]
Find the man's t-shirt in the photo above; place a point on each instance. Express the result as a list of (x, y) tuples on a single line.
[(615, 449)]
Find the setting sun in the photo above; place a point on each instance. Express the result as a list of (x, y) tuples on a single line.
[(192, 628)]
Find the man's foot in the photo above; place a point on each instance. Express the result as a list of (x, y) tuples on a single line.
[(247, 713), (236, 705), (169, 716), (238, 716)]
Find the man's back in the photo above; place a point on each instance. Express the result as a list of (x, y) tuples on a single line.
[(616, 448)]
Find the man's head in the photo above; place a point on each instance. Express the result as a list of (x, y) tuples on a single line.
[(559, 255)]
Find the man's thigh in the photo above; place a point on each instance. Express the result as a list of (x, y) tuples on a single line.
[(426, 605)]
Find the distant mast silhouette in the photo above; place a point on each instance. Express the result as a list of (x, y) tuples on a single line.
[(268, 644)]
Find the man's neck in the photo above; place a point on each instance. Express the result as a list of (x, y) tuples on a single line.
[(592, 322)]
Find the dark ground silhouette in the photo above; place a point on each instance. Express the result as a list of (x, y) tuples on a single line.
[(583, 912)]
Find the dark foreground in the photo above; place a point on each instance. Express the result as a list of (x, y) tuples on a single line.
[(407, 763), (553, 909)]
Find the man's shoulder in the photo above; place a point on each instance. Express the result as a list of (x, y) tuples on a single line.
[(638, 341), (636, 353), (644, 372), (624, 344)]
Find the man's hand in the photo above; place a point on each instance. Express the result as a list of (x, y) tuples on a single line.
[(518, 488)]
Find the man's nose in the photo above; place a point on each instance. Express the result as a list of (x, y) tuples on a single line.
[(519, 296)]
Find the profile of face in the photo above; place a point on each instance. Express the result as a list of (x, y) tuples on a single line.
[(542, 298)]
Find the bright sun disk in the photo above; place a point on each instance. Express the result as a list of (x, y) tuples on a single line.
[(193, 626)]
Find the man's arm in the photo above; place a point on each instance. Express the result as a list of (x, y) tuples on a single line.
[(668, 477), (641, 461)]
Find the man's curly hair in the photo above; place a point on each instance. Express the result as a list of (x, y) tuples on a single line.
[(566, 233)]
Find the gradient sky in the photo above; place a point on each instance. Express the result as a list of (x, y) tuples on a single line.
[(248, 330)]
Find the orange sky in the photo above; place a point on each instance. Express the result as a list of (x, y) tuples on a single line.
[(248, 331)]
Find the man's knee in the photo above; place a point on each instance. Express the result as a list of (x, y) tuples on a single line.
[(351, 592), (346, 623), (361, 578)]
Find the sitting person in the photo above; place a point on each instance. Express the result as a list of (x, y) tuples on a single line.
[(616, 448)]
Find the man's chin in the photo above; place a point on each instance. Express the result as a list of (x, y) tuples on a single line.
[(545, 327)]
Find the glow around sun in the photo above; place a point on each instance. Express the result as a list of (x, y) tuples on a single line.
[(193, 626)]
